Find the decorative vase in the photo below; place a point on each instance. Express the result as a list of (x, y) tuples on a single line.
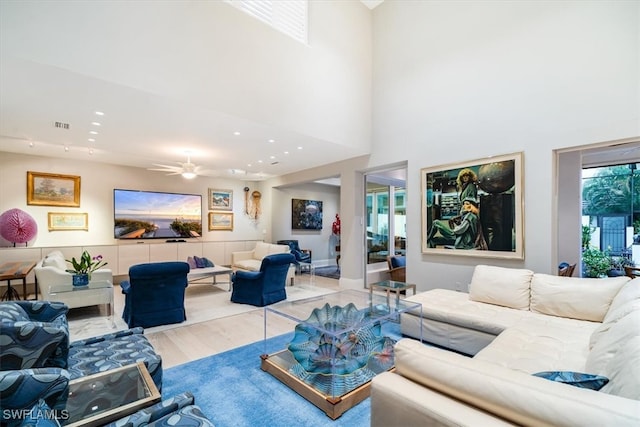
[(80, 279)]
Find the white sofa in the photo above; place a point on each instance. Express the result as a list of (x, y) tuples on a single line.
[(514, 323), (252, 260), (52, 278)]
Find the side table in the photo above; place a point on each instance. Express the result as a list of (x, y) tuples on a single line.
[(389, 286), (17, 270), (95, 293)]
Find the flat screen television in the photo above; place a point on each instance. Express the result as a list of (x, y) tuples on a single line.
[(156, 215)]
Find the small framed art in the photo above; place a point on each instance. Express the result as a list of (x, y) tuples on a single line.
[(48, 189), (221, 200), (220, 221), (60, 221)]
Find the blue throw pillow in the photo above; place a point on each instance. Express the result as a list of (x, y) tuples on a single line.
[(208, 262), (577, 379), (199, 262)]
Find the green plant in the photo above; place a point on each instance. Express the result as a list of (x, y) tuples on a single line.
[(598, 262), (86, 265), (587, 231), (620, 262)]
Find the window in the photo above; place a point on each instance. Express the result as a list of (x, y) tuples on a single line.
[(288, 16)]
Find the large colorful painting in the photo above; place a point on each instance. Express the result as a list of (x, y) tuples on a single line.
[(474, 208), (306, 214)]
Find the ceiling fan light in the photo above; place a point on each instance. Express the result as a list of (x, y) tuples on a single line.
[(188, 175)]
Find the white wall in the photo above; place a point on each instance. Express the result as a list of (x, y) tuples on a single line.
[(210, 55), (97, 182), (457, 81), (316, 240)]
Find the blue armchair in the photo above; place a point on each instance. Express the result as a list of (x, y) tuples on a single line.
[(263, 287), (301, 255), (154, 294), (37, 360)]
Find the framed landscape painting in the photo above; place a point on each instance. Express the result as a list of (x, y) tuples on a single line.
[(220, 221), (60, 221), (220, 200), (48, 189), (474, 208)]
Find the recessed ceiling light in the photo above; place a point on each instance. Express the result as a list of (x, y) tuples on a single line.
[(96, 123), (31, 144), (272, 157), (99, 113), (90, 151), (66, 148), (286, 152), (272, 140), (93, 132), (236, 133), (299, 148), (91, 140), (249, 165), (259, 161)]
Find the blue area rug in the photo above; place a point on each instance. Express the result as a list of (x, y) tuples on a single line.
[(233, 391)]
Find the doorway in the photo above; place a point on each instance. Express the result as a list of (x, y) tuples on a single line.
[(386, 215)]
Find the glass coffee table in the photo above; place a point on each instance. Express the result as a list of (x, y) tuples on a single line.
[(95, 293), (100, 398), (389, 286), (339, 344)]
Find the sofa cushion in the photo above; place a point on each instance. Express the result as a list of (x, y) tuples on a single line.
[(199, 262), (55, 259), (611, 318), (577, 379), (192, 262), (611, 342), (629, 292), (248, 264), (576, 298), (624, 371), (508, 287), (261, 250)]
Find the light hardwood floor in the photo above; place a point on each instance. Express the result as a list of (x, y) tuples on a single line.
[(192, 342)]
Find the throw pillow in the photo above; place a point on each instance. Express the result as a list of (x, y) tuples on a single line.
[(208, 262), (577, 379), (199, 262), (191, 262)]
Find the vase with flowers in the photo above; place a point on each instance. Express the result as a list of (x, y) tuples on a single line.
[(83, 268)]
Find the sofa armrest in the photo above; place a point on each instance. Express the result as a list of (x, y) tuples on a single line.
[(31, 344), (22, 389), (246, 276), (241, 255), (44, 311), (513, 395), (102, 274)]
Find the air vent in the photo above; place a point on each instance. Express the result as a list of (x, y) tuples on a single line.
[(274, 163), (62, 125)]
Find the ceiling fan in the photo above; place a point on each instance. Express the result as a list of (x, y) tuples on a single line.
[(188, 170)]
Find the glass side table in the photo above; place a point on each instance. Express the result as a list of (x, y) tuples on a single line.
[(100, 398), (389, 286), (95, 293)]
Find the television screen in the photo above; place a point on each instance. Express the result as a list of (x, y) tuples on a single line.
[(156, 215)]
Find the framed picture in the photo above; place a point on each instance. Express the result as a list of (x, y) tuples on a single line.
[(220, 221), (306, 214), (48, 189), (474, 208), (220, 200), (60, 221)]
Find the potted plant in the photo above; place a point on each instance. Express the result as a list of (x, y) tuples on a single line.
[(597, 262), (618, 263), (82, 269)]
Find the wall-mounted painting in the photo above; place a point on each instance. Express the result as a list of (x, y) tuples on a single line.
[(60, 221), (474, 208), (220, 221), (48, 189), (220, 200), (306, 214)]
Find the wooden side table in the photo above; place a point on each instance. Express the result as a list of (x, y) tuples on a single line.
[(16, 270)]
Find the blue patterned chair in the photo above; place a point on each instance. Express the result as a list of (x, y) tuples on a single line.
[(263, 287), (154, 294), (35, 334)]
